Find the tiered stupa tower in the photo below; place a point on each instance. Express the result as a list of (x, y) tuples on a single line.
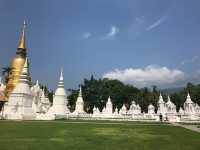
[(17, 63), (20, 101), (161, 105), (60, 99), (79, 109), (109, 107)]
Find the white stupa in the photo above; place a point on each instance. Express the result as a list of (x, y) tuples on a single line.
[(181, 111), (36, 91), (20, 101), (133, 108), (197, 109), (59, 107), (123, 110), (189, 105), (44, 104), (170, 106), (151, 109), (161, 105), (116, 111), (79, 109), (96, 112), (109, 107)]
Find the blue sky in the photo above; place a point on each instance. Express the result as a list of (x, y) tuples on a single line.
[(139, 42)]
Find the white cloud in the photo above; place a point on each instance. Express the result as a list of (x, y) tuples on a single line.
[(112, 33), (150, 75), (157, 23), (87, 35)]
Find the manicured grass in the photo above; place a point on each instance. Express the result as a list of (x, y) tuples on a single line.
[(91, 135)]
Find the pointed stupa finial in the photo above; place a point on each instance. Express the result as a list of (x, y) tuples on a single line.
[(37, 83), (160, 95), (160, 99), (61, 79), (80, 91), (22, 42), (61, 74), (43, 93), (188, 100), (188, 95), (109, 100), (168, 98)]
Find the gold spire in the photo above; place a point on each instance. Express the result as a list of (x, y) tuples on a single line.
[(22, 38)]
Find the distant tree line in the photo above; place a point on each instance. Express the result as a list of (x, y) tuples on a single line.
[(97, 91)]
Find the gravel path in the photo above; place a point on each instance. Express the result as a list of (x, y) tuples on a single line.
[(190, 127)]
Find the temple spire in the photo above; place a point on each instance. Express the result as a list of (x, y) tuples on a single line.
[(160, 99), (168, 98), (22, 42), (109, 100), (80, 92), (37, 83), (61, 80)]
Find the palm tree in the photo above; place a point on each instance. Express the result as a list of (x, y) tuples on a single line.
[(5, 73)]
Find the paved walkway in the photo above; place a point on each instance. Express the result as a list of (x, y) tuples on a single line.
[(186, 126)]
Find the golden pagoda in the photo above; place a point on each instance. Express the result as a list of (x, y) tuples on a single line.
[(17, 63)]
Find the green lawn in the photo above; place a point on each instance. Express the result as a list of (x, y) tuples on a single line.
[(90, 135)]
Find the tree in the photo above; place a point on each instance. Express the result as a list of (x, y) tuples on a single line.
[(97, 91), (6, 71)]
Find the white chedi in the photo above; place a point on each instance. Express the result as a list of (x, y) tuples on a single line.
[(161, 106), (36, 92), (96, 112), (181, 111), (189, 105), (133, 108), (197, 109), (19, 104), (79, 108), (108, 110), (123, 110), (103, 110), (138, 110), (116, 111), (170, 107), (60, 101), (151, 109), (44, 104)]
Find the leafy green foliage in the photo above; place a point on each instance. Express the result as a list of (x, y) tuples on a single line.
[(97, 91), (180, 97), (5, 73)]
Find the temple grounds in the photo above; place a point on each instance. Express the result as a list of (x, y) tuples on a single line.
[(95, 135)]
